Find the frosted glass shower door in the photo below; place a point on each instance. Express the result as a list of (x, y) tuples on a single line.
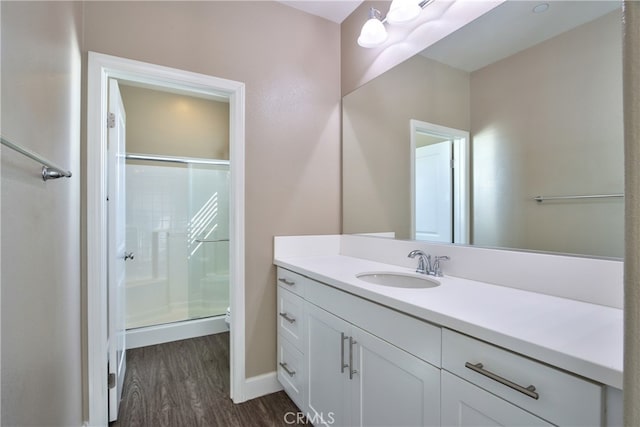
[(208, 240), (178, 227)]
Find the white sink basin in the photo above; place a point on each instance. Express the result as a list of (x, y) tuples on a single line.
[(398, 280)]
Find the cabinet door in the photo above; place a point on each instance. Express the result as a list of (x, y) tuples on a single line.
[(464, 404), (327, 336), (390, 386)]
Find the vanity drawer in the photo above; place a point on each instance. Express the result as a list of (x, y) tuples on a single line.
[(291, 281), (291, 371), (415, 336), (559, 397), (291, 317)]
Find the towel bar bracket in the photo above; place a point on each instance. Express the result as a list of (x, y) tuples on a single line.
[(50, 173), (49, 170)]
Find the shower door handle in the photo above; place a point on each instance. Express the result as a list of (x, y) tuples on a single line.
[(128, 255)]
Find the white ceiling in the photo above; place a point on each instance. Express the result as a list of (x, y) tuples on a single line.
[(512, 27), (333, 10)]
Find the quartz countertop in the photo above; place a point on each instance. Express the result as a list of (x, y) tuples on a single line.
[(579, 337)]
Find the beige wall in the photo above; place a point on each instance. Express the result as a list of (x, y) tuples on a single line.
[(171, 124), (631, 69), (548, 121), (290, 62), (375, 148), (41, 302)]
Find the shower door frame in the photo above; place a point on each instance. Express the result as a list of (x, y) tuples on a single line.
[(101, 67), (183, 328)]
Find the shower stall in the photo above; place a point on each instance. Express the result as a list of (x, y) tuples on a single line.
[(177, 214)]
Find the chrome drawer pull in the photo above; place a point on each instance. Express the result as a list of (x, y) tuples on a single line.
[(343, 365), (286, 317), (351, 370), (287, 370), (529, 391), (286, 281)]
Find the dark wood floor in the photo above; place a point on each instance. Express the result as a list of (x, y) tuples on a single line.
[(186, 383)]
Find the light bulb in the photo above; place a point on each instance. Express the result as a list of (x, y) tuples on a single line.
[(402, 11), (373, 33)]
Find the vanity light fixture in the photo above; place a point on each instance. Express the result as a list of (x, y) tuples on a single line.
[(402, 11), (374, 34)]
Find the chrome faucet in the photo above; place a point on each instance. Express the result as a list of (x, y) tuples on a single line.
[(424, 263)]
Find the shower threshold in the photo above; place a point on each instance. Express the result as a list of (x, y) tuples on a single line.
[(167, 332)]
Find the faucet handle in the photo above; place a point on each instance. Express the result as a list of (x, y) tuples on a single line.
[(437, 271)]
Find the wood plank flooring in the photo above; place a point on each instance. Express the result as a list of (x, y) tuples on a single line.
[(186, 383)]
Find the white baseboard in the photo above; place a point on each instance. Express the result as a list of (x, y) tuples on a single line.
[(261, 385), (152, 335)]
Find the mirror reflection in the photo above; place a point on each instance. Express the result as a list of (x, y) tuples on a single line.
[(538, 89)]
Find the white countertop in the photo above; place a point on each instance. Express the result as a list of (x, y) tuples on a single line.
[(583, 338)]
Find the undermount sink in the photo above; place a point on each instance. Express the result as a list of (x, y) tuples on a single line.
[(398, 280)]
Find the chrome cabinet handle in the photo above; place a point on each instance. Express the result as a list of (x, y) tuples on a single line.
[(478, 367), (128, 255), (286, 317), (287, 370), (342, 364), (351, 370), (287, 281)]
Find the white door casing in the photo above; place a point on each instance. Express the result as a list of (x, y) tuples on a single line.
[(116, 246), (100, 69), (433, 193), (460, 186)]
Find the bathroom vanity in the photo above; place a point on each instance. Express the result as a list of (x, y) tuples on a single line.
[(462, 352)]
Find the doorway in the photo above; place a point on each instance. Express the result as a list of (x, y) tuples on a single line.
[(102, 68), (439, 183), (177, 214)]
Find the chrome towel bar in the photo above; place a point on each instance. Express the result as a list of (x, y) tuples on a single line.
[(211, 241), (588, 196), (49, 170)]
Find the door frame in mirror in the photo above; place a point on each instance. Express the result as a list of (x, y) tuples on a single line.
[(461, 185)]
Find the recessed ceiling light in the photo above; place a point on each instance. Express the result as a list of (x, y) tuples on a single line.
[(542, 7)]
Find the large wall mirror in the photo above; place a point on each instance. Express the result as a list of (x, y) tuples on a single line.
[(538, 88)]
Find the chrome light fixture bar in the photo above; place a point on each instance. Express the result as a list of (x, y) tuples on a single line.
[(374, 34)]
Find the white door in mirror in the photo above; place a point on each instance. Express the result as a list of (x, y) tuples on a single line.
[(433, 187)]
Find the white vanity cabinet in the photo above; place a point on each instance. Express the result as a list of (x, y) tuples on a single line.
[(291, 336), (362, 363), (347, 361), (358, 379), (466, 405), (495, 384)]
